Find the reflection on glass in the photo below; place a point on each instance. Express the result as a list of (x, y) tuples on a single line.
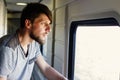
[(97, 54)]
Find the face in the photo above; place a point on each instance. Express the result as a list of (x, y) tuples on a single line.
[(40, 29)]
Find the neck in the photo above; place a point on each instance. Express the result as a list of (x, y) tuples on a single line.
[(24, 38)]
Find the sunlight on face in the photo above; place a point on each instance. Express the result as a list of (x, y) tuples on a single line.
[(40, 29)]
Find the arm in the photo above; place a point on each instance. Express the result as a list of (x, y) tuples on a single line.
[(5, 62), (48, 71), (2, 78)]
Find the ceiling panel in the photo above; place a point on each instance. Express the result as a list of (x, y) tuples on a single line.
[(27, 1), (12, 7)]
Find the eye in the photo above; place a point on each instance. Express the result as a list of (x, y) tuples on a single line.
[(42, 23)]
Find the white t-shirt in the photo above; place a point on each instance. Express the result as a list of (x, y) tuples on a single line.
[(13, 63)]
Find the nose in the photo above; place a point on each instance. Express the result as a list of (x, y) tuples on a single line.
[(48, 28)]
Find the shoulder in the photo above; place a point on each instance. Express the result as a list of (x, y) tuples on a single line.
[(4, 38), (36, 44), (10, 41), (5, 51), (6, 54), (36, 48), (3, 41), (6, 60)]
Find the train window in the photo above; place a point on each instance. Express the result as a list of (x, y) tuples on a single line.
[(94, 52)]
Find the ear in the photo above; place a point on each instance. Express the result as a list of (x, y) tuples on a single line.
[(28, 24)]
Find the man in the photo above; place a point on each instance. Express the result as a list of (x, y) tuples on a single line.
[(19, 51)]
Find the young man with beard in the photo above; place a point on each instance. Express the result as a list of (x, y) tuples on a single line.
[(19, 51)]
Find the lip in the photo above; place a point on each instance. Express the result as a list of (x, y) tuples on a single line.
[(45, 35)]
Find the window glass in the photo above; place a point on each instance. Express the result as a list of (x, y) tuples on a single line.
[(97, 53)]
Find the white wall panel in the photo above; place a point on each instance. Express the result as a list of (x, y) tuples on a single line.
[(60, 3), (60, 33), (3, 17), (49, 50), (49, 3), (49, 45), (59, 50), (60, 38), (60, 15), (58, 65), (84, 7)]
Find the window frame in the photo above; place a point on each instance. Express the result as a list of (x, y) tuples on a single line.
[(110, 21)]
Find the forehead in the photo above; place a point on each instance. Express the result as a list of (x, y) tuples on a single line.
[(42, 17)]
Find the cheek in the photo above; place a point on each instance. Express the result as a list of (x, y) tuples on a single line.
[(37, 30)]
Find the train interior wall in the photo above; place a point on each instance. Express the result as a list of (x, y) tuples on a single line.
[(3, 18)]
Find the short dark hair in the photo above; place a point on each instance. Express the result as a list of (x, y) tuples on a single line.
[(32, 11)]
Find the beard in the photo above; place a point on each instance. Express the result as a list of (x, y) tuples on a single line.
[(37, 39)]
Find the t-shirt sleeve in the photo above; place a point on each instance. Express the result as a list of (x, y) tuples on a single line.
[(37, 47), (5, 61)]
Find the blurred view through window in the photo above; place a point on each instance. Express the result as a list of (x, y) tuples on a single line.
[(97, 53)]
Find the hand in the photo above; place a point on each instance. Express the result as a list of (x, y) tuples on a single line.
[(66, 79)]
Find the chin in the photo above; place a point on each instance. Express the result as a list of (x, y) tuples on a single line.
[(41, 42)]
